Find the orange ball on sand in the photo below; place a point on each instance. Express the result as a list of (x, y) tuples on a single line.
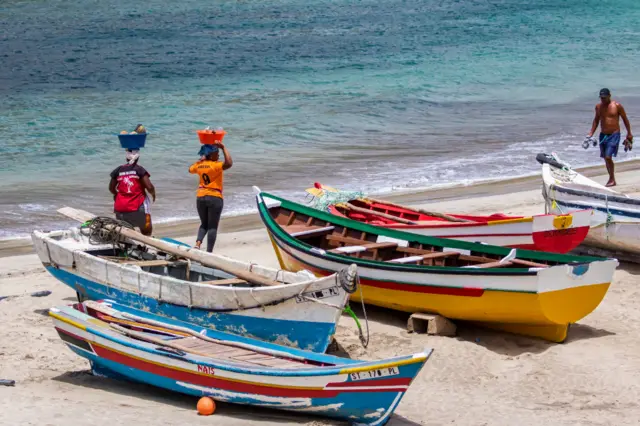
[(206, 406)]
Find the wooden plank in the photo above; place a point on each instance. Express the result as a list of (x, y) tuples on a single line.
[(142, 263), (434, 255), (311, 231), (479, 259), (291, 218), (349, 240), (492, 265), (370, 246), (529, 263), (195, 255), (228, 281), (413, 250)]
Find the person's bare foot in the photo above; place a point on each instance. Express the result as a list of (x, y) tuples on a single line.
[(611, 183), (197, 246)]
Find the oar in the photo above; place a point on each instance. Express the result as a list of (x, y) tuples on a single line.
[(318, 187), (350, 206), (186, 252), (421, 211)]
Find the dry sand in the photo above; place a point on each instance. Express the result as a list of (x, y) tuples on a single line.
[(481, 377)]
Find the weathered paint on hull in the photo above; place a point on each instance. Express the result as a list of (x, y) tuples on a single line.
[(309, 335), (545, 315), (333, 392)]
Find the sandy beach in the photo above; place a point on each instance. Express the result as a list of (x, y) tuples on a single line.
[(480, 377)]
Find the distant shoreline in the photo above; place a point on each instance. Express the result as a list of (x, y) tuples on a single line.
[(248, 221)]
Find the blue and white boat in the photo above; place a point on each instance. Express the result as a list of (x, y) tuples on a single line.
[(302, 312), (121, 343), (615, 223)]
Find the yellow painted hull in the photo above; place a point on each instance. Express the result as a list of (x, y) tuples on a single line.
[(545, 315)]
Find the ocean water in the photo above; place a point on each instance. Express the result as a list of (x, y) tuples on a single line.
[(367, 95)]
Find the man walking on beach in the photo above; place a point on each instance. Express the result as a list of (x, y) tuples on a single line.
[(608, 114)]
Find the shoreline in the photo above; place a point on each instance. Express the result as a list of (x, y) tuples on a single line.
[(248, 221)]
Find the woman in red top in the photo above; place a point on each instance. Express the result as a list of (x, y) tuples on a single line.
[(209, 201), (129, 185)]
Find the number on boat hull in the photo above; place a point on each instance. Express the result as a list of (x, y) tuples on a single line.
[(374, 374)]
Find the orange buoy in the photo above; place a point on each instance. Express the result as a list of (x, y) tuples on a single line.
[(206, 406)]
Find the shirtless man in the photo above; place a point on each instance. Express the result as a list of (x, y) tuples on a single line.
[(608, 114)]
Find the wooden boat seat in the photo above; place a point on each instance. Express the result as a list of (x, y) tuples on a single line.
[(228, 281), (234, 353), (529, 263), (364, 247), (491, 265), (305, 231), (418, 258)]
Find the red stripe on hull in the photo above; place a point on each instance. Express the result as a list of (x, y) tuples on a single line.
[(248, 388), (417, 288), (412, 288), (210, 382)]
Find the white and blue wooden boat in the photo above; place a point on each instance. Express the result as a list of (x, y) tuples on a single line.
[(300, 310), (121, 342), (615, 223)]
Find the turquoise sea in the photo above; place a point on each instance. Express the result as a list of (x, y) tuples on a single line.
[(371, 95)]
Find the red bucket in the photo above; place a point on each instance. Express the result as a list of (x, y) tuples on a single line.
[(211, 137)]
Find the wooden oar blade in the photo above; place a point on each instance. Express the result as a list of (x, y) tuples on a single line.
[(76, 214)]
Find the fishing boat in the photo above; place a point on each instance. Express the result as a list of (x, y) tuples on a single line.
[(123, 343), (522, 291), (615, 224), (555, 233), (174, 281)]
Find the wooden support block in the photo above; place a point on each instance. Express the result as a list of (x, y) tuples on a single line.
[(430, 324)]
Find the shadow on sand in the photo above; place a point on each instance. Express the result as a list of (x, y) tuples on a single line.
[(131, 389), (500, 342)]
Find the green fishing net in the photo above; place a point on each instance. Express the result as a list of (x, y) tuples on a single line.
[(329, 198)]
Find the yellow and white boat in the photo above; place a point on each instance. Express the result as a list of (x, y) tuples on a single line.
[(520, 291)]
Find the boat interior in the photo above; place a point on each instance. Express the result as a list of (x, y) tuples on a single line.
[(353, 243), (180, 341), (149, 259), (379, 213)]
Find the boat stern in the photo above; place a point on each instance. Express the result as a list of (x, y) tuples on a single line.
[(568, 293), (560, 233)]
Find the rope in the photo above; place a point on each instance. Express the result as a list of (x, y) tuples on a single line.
[(105, 230), (364, 341)]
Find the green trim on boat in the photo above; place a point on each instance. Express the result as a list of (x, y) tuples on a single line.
[(392, 233)]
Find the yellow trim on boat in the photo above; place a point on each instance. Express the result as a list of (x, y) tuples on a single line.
[(503, 221), (67, 320), (385, 365), (545, 315)]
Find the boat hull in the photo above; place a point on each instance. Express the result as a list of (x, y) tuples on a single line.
[(338, 392), (540, 302), (615, 223), (545, 315), (302, 315), (555, 233)]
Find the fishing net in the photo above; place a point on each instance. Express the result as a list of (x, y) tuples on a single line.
[(329, 198)]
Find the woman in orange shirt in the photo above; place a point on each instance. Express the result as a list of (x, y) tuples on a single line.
[(209, 201)]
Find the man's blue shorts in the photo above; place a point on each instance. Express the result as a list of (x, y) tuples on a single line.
[(609, 145)]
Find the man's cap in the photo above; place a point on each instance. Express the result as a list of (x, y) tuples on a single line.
[(605, 92)]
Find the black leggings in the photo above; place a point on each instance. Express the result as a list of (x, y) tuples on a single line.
[(209, 210)]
